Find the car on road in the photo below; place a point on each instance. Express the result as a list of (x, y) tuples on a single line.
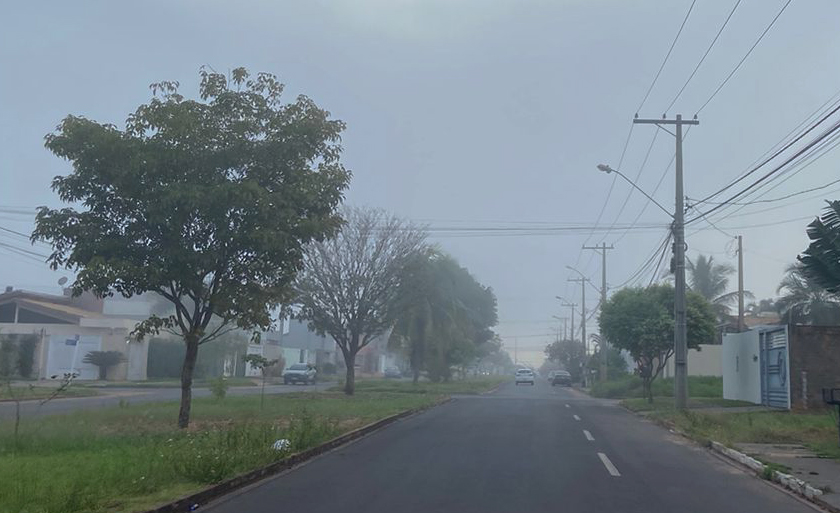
[(392, 372), (299, 373), (561, 378), (525, 376)]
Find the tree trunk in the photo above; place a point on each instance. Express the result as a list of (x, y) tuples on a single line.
[(350, 378), (648, 389), (186, 380), (416, 373), (103, 373)]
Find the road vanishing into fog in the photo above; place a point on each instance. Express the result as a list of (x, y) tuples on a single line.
[(113, 396), (520, 449)]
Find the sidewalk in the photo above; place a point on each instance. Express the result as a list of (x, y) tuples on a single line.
[(801, 462)]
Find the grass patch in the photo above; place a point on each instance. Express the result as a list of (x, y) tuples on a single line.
[(29, 393), (469, 386), (169, 383), (816, 430), (631, 386), (667, 403), (130, 458)]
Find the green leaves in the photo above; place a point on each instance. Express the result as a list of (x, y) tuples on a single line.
[(208, 202), (821, 261)]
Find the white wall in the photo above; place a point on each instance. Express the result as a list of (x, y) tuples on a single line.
[(741, 367), (705, 362)]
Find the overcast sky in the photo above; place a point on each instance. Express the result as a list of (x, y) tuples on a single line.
[(480, 114)]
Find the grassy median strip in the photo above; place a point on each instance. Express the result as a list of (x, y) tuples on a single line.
[(131, 458), (32, 393), (816, 430)]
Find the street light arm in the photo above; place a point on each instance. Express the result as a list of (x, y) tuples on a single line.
[(607, 169)]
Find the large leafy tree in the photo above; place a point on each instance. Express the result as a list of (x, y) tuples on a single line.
[(803, 300), (348, 286), (641, 321), (206, 202), (711, 280), (445, 316), (821, 261), (569, 354)]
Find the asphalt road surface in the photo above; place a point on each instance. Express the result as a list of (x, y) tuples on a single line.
[(113, 396), (521, 449)]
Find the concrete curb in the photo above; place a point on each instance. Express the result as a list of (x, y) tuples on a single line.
[(194, 501), (787, 481)]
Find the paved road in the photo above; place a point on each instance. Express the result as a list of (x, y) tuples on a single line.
[(521, 449), (113, 396)]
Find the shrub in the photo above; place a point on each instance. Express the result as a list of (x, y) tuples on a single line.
[(327, 369), (26, 355), (219, 387), (104, 360)]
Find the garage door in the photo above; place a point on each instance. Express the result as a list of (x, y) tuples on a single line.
[(66, 353)]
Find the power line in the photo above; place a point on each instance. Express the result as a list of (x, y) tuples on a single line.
[(744, 58), (775, 154), (709, 49), (667, 55), (773, 171)]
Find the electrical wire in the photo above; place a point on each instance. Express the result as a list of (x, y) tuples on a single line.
[(773, 171), (706, 54), (744, 58), (833, 110), (667, 55)]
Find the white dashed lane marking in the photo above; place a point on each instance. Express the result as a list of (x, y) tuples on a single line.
[(576, 417), (588, 435), (607, 463), (567, 406)]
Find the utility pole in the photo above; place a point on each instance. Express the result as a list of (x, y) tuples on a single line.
[(680, 331), (515, 351), (582, 281), (740, 284), (603, 249)]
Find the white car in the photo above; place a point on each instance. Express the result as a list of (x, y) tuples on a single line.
[(525, 376)]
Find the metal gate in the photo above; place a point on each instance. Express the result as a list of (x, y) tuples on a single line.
[(775, 370)]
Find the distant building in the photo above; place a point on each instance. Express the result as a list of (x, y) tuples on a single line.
[(67, 328)]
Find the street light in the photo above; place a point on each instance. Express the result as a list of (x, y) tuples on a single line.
[(607, 169)]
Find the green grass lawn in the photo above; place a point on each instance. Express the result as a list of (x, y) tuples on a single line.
[(667, 403), (631, 386), (167, 383), (131, 458), (468, 386), (816, 430), (29, 393)]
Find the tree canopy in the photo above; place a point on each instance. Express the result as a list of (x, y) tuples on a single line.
[(208, 203), (803, 300), (821, 260), (641, 321), (444, 316), (711, 280), (348, 286)]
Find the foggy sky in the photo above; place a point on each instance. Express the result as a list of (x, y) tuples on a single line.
[(467, 113)]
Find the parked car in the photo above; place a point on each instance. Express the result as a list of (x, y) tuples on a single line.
[(561, 378), (393, 372), (299, 373), (525, 376)]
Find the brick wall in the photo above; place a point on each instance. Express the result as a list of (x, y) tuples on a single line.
[(816, 351)]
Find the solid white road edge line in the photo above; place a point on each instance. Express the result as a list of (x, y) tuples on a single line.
[(588, 435), (607, 463), (576, 417)]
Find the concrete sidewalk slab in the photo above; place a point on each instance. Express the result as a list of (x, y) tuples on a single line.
[(823, 473)]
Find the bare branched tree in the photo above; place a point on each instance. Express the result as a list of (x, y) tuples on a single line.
[(348, 284)]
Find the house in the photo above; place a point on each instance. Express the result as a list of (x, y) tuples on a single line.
[(301, 345), (782, 366), (66, 328)]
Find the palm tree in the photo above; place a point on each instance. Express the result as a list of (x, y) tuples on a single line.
[(821, 261), (804, 300), (710, 280)]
